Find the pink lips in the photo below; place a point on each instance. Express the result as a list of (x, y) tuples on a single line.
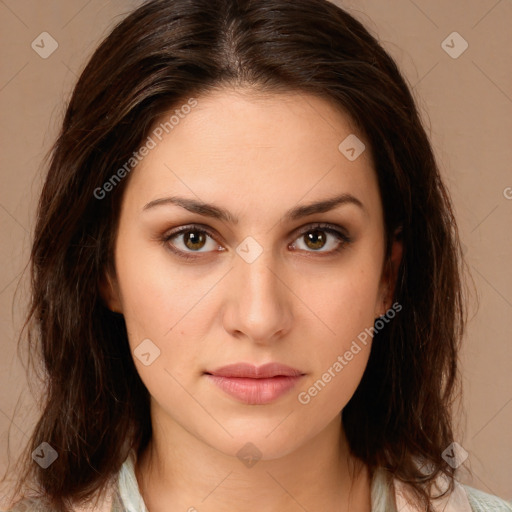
[(255, 385)]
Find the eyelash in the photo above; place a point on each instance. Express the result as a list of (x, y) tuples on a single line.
[(328, 228)]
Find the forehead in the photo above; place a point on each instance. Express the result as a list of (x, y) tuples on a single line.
[(245, 119), (259, 147)]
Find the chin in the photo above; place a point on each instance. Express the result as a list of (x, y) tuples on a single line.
[(258, 441)]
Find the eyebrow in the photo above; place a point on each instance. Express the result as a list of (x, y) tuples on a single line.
[(216, 212)]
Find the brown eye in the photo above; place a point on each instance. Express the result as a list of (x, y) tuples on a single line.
[(189, 240), (194, 239), (315, 239)]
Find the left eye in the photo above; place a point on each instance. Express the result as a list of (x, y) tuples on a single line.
[(315, 238)]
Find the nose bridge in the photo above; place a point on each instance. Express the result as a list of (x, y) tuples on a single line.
[(259, 279), (254, 266), (261, 308)]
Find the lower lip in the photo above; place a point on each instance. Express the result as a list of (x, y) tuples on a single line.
[(255, 391)]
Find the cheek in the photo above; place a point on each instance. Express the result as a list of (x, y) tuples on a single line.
[(156, 296), (156, 306), (342, 343), (167, 305), (328, 390), (347, 298), (337, 365)]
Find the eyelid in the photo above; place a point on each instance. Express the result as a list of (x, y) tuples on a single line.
[(332, 228)]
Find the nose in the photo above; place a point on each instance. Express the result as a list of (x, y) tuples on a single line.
[(260, 307)]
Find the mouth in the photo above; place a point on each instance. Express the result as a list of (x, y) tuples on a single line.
[(255, 385)]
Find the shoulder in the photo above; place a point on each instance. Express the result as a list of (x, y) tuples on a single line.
[(481, 501), (463, 498)]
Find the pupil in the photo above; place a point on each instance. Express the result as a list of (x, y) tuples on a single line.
[(316, 238), (194, 239)]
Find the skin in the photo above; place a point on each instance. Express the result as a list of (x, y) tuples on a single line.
[(257, 156)]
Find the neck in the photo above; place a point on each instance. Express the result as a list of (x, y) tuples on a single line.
[(178, 471)]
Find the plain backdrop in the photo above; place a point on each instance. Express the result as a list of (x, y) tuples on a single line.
[(466, 101)]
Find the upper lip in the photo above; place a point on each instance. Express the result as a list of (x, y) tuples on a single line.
[(256, 372)]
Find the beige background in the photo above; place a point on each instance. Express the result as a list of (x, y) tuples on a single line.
[(467, 104)]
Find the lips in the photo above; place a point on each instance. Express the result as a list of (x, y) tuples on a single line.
[(255, 385), (256, 372)]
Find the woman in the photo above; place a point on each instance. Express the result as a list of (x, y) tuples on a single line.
[(246, 275)]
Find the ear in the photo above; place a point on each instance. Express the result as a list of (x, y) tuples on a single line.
[(109, 292), (390, 274)]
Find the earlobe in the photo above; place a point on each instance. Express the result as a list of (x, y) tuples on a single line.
[(109, 292)]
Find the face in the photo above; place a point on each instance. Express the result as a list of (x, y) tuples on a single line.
[(258, 276)]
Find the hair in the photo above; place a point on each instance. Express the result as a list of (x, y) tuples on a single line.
[(96, 408)]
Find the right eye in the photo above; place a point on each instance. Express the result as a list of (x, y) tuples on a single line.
[(190, 239)]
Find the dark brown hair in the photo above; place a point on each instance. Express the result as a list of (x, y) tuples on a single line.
[(96, 407)]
